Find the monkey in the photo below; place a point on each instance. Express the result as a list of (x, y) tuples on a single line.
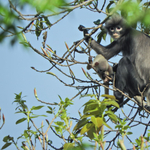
[(101, 66), (135, 48)]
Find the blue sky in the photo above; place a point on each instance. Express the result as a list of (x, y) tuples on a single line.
[(16, 75)]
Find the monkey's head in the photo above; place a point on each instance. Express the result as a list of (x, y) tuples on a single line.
[(116, 26)]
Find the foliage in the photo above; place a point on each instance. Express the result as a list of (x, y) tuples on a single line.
[(42, 5), (99, 119)]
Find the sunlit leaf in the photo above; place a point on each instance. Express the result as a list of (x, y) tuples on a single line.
[(110, 102), (51, 73), (68, 146), (98, 122), (86, 128), (36, 107), (80, 124), (108, 96)]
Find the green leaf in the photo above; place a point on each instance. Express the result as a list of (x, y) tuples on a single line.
[(35, 116), (81, 123), (112, 116), (67, 102), (59, 129), (92, 101), (36, 107), (38, 29), (60, 98), (86, 116), (51, 73), (101, 35), (6, 145), (104, 36), (18, 96), (59, 123), (26, 44), (91, 108), (87, 95), (68, 146), (7, 138), (26, 134), (46, 5), (108, 96), (126, 127), (50, 108), (49, 112), (90, 132), (21, 120), (41, 23), (98, 122), (97, 22), (47, 21), (118, 126), (86, 128), (129, 133)]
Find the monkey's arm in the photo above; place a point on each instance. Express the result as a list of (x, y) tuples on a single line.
[(107, 51)]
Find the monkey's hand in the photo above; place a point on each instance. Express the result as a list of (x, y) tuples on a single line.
[(81, 28), (85, 32)]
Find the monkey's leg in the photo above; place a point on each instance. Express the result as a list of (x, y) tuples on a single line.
[(140, 101)]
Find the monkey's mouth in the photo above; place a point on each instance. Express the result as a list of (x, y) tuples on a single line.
[(116, 36)]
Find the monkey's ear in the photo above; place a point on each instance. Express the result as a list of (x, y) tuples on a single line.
[(96, 64)]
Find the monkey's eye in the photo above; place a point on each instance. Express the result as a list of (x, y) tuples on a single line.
[(118, 28), (112, 29)]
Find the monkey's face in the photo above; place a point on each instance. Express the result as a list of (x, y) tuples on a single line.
[(116, 26), (115, 31)]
